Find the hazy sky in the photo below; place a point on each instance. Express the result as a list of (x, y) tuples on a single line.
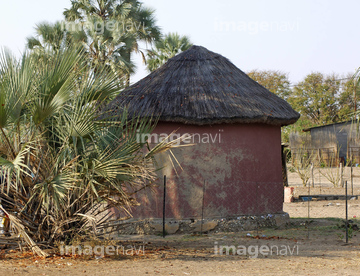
[(297, 36)]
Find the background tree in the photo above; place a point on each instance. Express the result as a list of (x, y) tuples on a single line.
[(275, 81), (315, 98), (278, 83), (349, 98), (48, 36), (101, 50), (114, 30), (167, 47), (318, 98)]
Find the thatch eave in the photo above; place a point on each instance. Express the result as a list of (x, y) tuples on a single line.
[(203, 88)]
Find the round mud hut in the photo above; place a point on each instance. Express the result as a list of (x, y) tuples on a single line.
[(233, 167)]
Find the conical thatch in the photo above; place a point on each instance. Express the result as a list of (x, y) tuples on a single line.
[(201, 87)]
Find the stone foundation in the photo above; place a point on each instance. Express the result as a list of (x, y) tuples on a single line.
[(190, 226)]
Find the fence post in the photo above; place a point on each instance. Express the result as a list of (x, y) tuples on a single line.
[(351, 177), (341, 174), (202, 209), (312, 175), (308, 221), (319, 169), (257, 209), (346, 214), (164, 201)]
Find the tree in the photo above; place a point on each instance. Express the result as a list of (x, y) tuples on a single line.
[(167, 47), (349, 97), (61, 165), (315, 98), (278, 83), (275, 81), (49, 39), (302, 163), (114, 30), (48, 36), (52, 38)]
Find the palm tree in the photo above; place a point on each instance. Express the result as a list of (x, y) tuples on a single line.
[(148, 31), (60, 162), (49, 39), (123, 25), (48, 35), (102, 51), (169, 46)]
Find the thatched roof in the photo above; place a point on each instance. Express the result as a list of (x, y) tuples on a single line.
[(201, 87)]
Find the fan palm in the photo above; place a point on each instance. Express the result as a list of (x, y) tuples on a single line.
[(116, 28), (60, 164), (50, 36), (167, 47)]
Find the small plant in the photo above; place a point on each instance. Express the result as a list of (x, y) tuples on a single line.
[(332, 173), (351, 228), (301, 164), (340, 235), (292, 169)]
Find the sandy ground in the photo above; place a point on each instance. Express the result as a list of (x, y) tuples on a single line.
[(325, 208), (313, 247), (321, 176), (323, 253)]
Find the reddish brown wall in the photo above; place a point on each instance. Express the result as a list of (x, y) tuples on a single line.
[(242, 172)]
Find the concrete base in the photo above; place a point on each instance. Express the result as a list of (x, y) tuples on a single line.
[(171, 227), (189, 226)]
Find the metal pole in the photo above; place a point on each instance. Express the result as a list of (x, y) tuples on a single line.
[(308, 222), (346, 215), (164, 232), (341, 174), (202, 209), (312, 175), (351, 177), (257, 211), (319, 169)]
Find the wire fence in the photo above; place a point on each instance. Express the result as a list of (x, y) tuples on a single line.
[(326, 178), (254, 208)]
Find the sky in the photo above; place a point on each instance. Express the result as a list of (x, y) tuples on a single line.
[(296, 37)]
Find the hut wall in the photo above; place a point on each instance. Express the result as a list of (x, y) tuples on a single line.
[(241, 168)]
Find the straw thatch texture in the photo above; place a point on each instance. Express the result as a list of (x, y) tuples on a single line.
[(201, 87)]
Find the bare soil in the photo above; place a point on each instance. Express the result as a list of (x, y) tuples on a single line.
[(323, 209), (321, 250), (322, 186), (319, 244), (321, 177)]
